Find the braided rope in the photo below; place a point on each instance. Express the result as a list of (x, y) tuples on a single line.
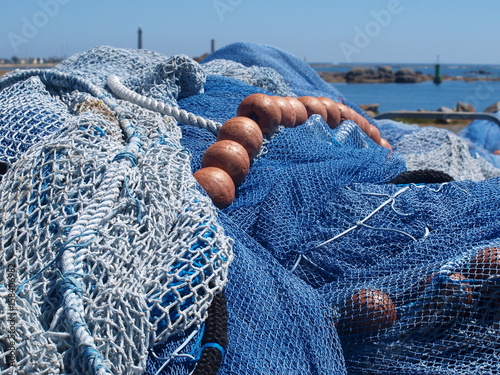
[(54, 78), (72, 265), (421, 176), (215, 337), (117, 87)]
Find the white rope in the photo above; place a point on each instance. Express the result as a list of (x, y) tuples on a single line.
[(362, 222), (176, 352), (117, 87), (72, 261)]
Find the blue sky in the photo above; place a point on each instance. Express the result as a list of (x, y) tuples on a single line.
[(392, 31)]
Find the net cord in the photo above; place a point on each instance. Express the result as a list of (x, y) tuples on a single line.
[(116, 86)]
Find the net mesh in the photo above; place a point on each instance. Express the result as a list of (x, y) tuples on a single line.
[(264, 77), (438, 149), (116, 252), (35, 113), (483, 139), (112, 247)]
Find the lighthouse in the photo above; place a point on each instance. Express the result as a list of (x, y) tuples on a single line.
[(139, 41), (437, 72)]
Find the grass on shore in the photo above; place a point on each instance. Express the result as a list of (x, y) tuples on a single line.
[(453, 125)]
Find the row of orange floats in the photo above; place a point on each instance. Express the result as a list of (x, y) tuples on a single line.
[(226, 163)]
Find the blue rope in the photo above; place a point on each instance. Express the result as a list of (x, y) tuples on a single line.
[(131, 157), (196, 347), (63, 248), (197, 350), (71, 283), (209, 345), (99, 131), (137, 201)]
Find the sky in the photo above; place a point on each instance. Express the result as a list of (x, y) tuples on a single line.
[(356, 31)]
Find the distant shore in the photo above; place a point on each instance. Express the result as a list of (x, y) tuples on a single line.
[(24, 66), (360, 75), (382, 74), (5, 68), (334, 77)]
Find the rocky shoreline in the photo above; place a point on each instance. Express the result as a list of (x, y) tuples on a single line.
[(385, 74)]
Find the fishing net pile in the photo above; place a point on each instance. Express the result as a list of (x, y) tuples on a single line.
[(337, 256), (110, 246)]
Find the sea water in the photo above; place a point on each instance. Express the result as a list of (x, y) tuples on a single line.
[(425, 95)]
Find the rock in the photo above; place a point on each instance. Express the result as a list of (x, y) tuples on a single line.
[(386, 72), (405, 79), (408, 76), (405, 71), (383, 74), (332, 77), (495, 107), (464, 107), (370, 107), (385, 69), (358, 75), (445, 109)]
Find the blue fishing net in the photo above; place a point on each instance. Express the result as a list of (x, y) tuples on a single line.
[(339, 267), (483, 138)]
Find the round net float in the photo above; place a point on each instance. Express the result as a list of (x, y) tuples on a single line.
[(450, 296), (300, 110), (346, 113), (369, 130), (263, 109), (486, 263), (218, 185), (332, 110), (488, 304), (361, 122), (229, 156), (385, 143), (375, 134), (367, 311), (244, 131), (314, 106), (288, 116), (485, 266)]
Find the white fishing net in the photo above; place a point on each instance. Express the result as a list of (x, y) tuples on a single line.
[(263, 77), (442, 150), (107, 247)]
